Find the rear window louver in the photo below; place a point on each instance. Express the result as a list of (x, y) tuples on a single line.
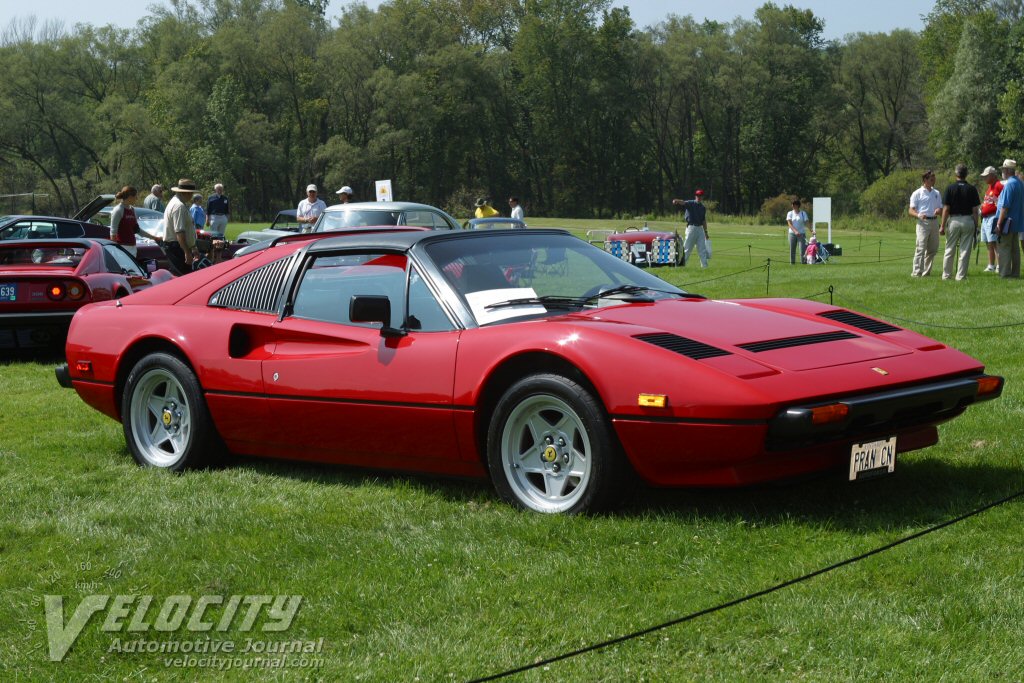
[(790, 342), (860, 321), (681, 345), (259, 291)]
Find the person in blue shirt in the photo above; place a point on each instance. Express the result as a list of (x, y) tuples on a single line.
[(196, 210), (696, 227), (218, 211), (1010, 220)]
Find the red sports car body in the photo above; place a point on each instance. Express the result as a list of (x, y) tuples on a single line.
[(44, 281), (442, 352)]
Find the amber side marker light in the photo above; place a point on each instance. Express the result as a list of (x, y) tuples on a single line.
[(835, 412), (652, 400), (989, 386)]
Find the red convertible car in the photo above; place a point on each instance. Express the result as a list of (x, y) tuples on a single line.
[(449, 352), (44, 281)]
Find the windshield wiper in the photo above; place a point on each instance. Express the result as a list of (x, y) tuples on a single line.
[(553, 300), (636, 289)]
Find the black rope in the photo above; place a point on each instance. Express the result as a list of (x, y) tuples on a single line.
[(860, 306), (738, 601), (720, 277)]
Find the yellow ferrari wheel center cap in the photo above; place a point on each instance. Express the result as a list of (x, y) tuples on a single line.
[(550, 454), (167, 418)]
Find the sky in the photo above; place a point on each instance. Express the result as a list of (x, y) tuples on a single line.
[(841, 17)]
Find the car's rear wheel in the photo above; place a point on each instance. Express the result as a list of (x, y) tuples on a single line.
[(166, 421), (551, 449)]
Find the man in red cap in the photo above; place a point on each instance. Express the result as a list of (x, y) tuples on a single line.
[(696, 227)]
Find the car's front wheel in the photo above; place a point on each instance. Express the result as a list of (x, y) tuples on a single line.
[(165, 418), (550, 448)]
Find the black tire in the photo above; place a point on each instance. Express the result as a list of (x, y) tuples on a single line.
[(551, 448), (181, 435)]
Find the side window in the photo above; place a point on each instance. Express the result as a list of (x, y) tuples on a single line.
[(423, 219), (425, 313), (119, 261), (70, 229), (35, 230), (330, 283)]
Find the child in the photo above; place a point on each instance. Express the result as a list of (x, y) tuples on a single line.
[(811, 255)]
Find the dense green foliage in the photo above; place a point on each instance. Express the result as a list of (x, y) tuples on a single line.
[(566, 103)]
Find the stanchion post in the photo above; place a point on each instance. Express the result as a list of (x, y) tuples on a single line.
[(879, 251), (768, 279), (831, 289), (750, 258)]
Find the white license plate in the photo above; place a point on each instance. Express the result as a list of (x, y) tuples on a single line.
[(9, 292), (639, 248), (872, 459)]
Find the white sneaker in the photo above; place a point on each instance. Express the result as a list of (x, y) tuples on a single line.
[(990, 269)]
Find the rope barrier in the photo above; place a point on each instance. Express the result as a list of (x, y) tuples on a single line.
[(720, 277), (752, 596), (862, 307)]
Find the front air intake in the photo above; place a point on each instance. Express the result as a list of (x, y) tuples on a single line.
[(790, 342), (681, 345), (860, 321)]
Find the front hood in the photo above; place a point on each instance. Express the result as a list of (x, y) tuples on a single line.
[(743, 331)]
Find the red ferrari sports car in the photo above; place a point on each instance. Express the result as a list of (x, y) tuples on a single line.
[(457, 353), (44, 281)]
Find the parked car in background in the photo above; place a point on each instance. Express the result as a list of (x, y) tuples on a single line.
[(438, 351), (363, 214), (494, 223), (44, 281), (21, 227)]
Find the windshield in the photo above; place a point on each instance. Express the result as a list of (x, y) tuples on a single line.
[(526, 274), (340, 220), (56, 257)]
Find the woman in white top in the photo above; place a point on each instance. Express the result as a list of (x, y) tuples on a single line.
[(797, 221)]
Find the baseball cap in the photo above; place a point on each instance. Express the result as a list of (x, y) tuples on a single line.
[(699, 193), (989, 170), (1010, 163), (345, 190), (311, 188)]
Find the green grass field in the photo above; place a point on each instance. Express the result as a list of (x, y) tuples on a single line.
[(415, 579)]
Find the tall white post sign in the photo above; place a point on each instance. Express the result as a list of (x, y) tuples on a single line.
[(821, 212), (384, 191)]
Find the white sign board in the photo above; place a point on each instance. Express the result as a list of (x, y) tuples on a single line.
[(821, 212), (384, 191)]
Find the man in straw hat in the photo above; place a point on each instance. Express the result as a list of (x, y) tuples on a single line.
[(484, 208), (1010, 220), (179, 230), (989, 213)]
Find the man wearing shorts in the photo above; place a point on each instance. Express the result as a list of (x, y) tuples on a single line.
[(988, 215)]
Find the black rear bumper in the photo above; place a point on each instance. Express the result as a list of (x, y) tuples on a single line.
[(63, 376), (885, 411)]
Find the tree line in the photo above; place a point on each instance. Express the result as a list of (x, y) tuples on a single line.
[(565, 103)]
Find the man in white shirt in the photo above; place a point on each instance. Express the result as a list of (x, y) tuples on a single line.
[(179, 230), (309, 209), (925, 206), (797, 222), (517, 210)]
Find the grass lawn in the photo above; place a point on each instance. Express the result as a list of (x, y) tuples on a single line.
[(410, 578)]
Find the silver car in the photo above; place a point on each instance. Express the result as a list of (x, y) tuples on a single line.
[(361, 214)]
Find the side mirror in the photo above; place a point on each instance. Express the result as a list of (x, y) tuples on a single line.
[(373, 308)]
